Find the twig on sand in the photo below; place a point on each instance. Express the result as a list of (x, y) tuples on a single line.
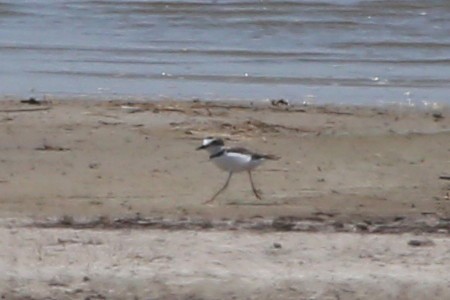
[(169, 109), (445, 177), (47, 147), (109, 123), (16, 110), (275, 170)]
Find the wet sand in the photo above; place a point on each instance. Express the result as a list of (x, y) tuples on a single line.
[(99, 189)]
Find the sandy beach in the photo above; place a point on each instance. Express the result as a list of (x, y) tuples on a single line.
[(104, 200)]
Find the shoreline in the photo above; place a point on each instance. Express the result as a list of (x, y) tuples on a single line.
[(425, 106)]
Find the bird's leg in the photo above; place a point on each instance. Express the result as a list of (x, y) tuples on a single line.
[(221, 190), (253, 186)]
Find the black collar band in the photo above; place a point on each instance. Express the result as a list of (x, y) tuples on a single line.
[(220, 153)]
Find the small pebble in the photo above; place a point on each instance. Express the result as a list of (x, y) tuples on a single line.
[(94, 165), (420, 243)]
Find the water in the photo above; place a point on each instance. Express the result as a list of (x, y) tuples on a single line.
[(329, 51)]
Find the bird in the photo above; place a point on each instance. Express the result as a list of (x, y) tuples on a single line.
[(233, 160)]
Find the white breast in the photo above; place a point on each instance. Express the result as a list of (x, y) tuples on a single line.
[(235, 162)]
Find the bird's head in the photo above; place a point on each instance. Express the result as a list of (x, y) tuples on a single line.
[(212, 144)]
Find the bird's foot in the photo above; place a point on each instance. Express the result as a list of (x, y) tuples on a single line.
[(257, 194)]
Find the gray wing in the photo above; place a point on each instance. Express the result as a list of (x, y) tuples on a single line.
[(240, 150), (255, 156)]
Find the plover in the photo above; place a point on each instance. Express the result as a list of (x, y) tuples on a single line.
[(233, 160)]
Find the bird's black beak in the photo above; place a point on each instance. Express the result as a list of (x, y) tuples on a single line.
[(201, 147)]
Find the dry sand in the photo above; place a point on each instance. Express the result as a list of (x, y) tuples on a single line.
[(103, 200)]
